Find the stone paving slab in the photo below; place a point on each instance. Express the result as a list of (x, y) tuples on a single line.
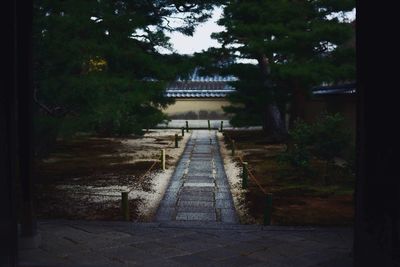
[(199, 179), (196, 189), (196, 209), (226, 215), (196, 216), (186, 243), (202, 164), (199, 184), (192, 193), (222, 195), (195, 203), (223, 204), (190, 200)]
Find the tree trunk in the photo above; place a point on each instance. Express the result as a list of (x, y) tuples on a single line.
[(298, 105), (273, 122)]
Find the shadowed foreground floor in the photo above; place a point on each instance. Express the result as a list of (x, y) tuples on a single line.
[(83, 243)]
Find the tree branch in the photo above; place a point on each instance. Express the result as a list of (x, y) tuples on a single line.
[(55, 112), (41, 105), (186, 8)]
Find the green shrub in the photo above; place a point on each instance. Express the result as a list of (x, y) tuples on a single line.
[(325, 139), (330, 137), (297, 153)]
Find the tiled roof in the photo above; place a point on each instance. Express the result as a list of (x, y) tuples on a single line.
[(349, 88), (200, 87)]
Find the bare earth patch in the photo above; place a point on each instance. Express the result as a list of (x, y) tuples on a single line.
[(84, 177)]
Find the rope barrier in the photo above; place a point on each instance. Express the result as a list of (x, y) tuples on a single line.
[(252, 176), (248, 170), (268, 196)]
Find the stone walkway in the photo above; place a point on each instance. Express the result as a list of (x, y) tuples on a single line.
[(199, 189)]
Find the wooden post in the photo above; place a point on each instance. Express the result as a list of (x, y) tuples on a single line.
[(233, 147), (187, 126), (125, 206), (176, 140), (245, 175), (210, 141), (222, 125), (209, 125), (183, 131), (268, 209), (163, 159)]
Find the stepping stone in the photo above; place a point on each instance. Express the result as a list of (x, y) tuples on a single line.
[(196, 184), (196, 209), (182, 203), (195, 189), (194, 198), (195, 216), (199, 179)]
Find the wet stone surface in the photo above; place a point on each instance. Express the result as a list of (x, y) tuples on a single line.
[(199, 190)]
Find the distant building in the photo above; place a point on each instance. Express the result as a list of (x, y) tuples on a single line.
[(333, 99), (199, 97), (339, 98)]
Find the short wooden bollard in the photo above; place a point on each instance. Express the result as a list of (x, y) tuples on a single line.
[(187, 126), (268, 209), (176, 140), (222, 125), (233, 148), (183, 131), (163, 159), (209, 125), (125, 206), (245, 175)]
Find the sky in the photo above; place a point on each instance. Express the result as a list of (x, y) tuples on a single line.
[(201, 39)]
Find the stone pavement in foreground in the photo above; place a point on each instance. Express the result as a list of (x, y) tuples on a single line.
[(79, 243), (199, 189)]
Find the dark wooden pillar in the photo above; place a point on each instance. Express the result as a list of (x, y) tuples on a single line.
[(377, 193), (8, 159), (25, 112), (8, 140)]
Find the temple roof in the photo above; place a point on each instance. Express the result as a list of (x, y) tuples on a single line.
[(348, 88), (198, 89), (201, 87)]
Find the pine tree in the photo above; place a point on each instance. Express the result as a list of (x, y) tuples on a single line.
[(296, 44), (97, 63)]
